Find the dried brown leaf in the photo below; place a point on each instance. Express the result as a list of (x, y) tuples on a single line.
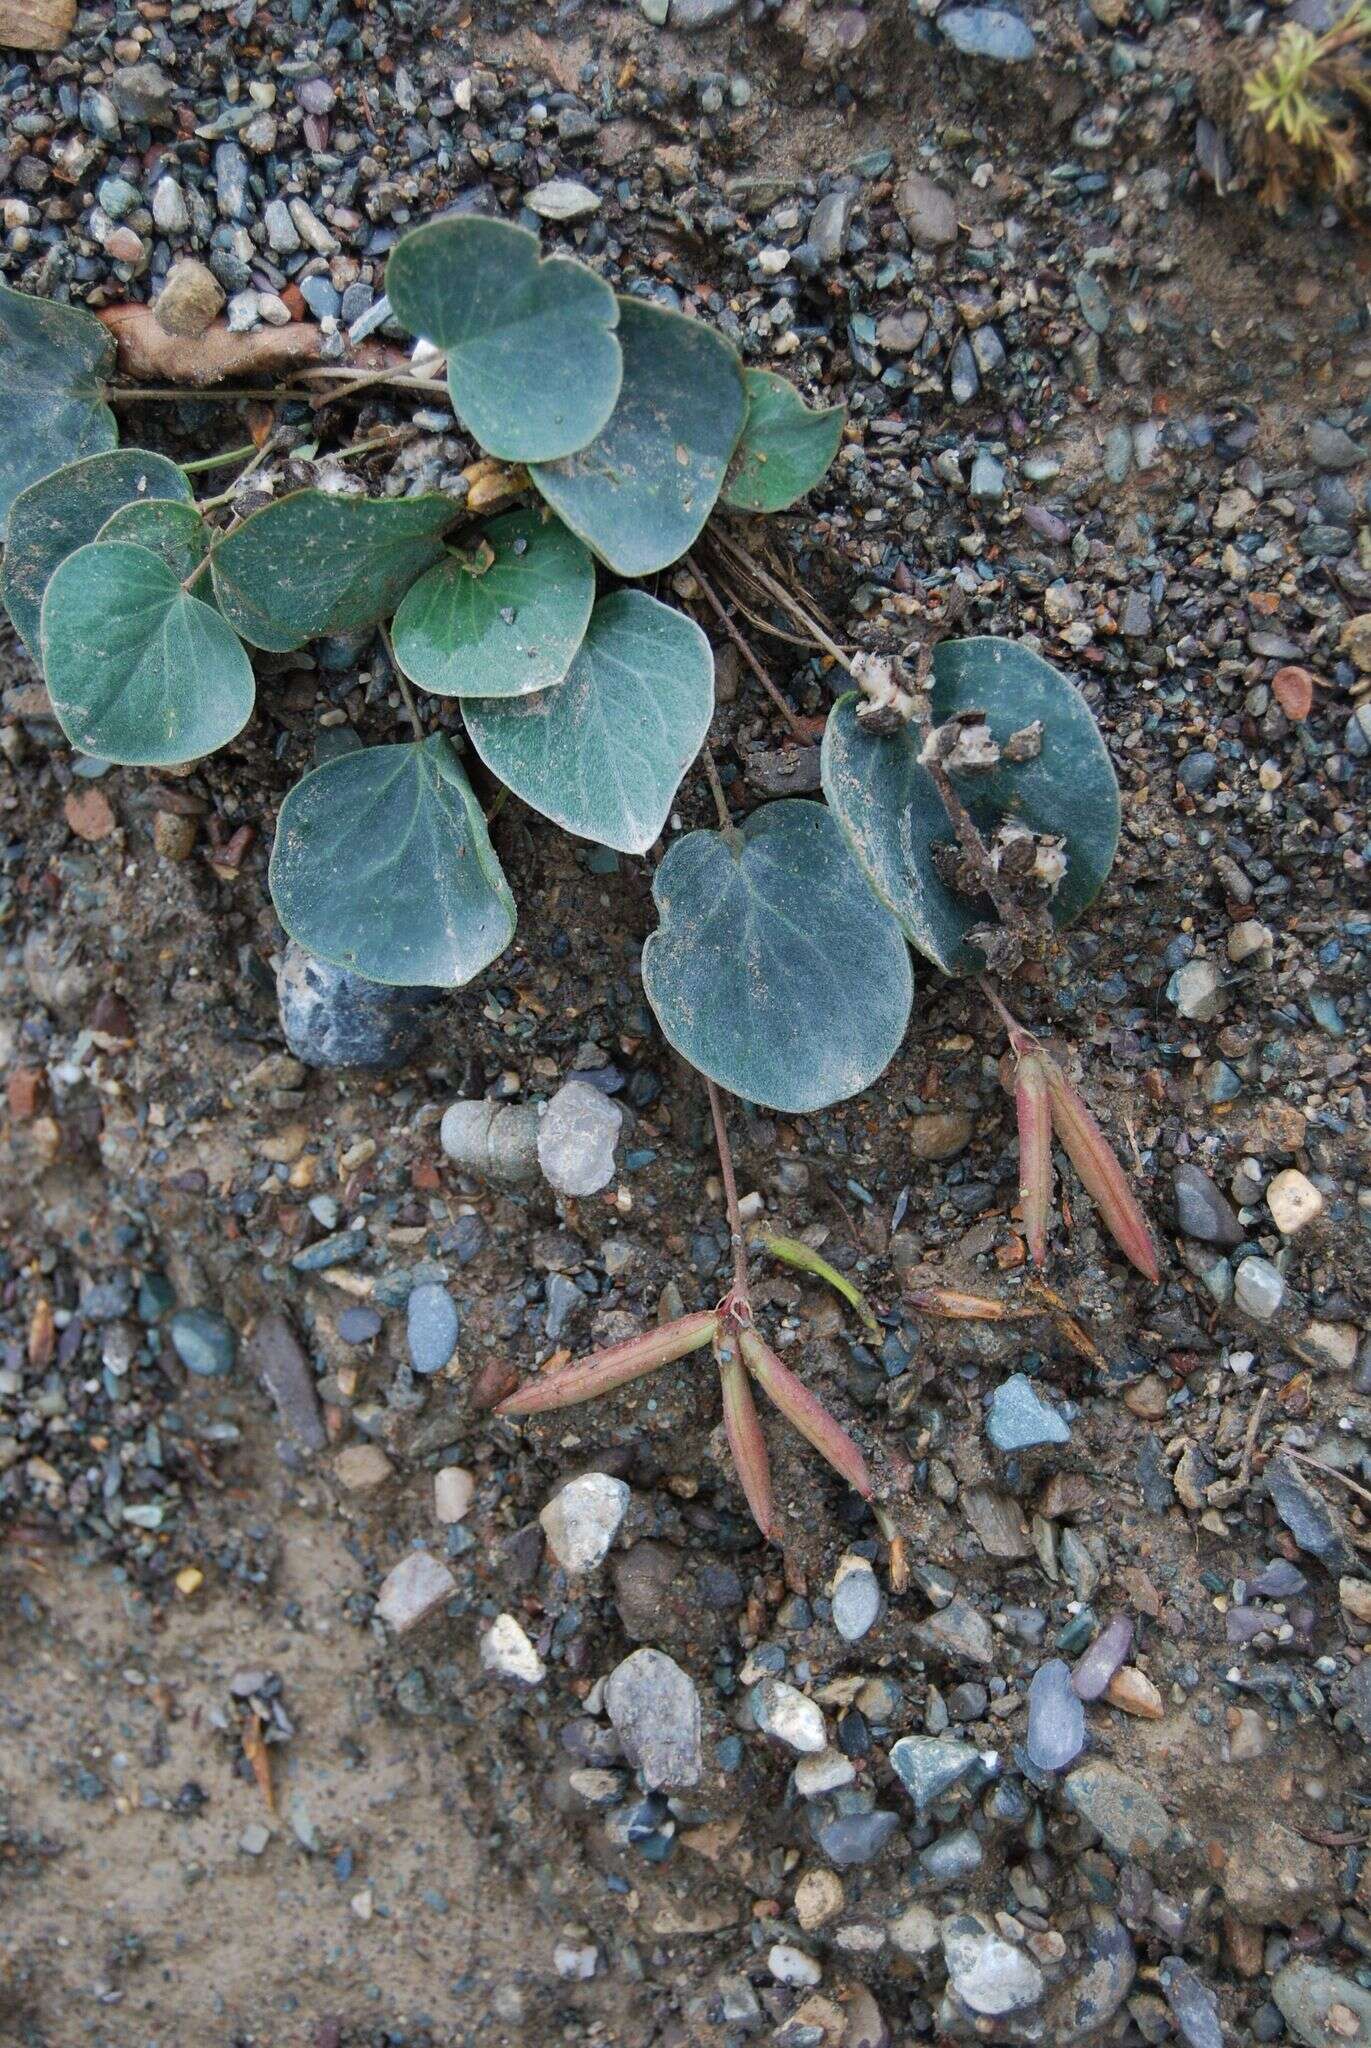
[(255, 1750)]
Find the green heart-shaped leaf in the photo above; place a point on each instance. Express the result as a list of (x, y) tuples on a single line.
[(892, 816), (532, 362), (312, 564), (785, 447), (603, 753), (640, 494), (138, 669), (172, 531), (502, 627), (52, 401), (774, 970), (383, 864), (62, 512)]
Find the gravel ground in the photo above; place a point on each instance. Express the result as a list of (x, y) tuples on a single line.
[(597, 1765)]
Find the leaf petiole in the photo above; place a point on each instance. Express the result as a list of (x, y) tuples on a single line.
[(792, 1251)]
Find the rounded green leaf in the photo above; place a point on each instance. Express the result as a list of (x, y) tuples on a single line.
[(785, 448), (774, 970), (476, 627), (532, 362), (383, 864), (174, 532), (62, 512), (138, 669), (312, 563), (603, 753), (52, 401), (641, 493), (892, 816)]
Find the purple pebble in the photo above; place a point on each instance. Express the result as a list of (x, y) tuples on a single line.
[(1106, 1655)]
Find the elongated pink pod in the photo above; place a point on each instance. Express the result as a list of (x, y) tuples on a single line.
[(805, 1412), (1093, 1157), (745, 1438), (613, 1367), (1033, 1106)]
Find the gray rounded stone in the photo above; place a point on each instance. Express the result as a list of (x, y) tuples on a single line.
[(1202, 1211), (1056, 1717), (577, 1138), (204, 1342), (432, 1327), (656, 1712), (990, 32)]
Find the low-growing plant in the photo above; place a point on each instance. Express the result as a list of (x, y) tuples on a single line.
[(971, 807), (1297, 107)]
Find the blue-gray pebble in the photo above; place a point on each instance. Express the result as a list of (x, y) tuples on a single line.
[(432, 1327), (204, 1342), (1056, 1718), (1020, 1418)]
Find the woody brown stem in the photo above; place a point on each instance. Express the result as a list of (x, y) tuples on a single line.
[(725, 619), (735, 1221)]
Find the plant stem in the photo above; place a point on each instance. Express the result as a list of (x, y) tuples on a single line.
[(358, 381), (974, 848), (259, 456), (402, 680), (720, 801), (1021, 1040), (716, 605), (385, 439), (778, 593), (190, 394), (738, 1297), (352, 381), (224, 461)]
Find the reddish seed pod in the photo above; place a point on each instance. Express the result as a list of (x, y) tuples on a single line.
[(1033, 1105), (805, 1412), (745, 1438), (1092, 1155), (613, 1367)]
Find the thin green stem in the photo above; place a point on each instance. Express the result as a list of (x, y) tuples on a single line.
[(224, 461), (186, 394), (387, 439), (259, 457), (220, 537)]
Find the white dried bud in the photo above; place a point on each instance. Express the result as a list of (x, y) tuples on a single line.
[(964, 743)]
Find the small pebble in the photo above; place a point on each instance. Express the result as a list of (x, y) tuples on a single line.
[(432, 1327), (582, 1520), (411, 1592), (204, 1342), (506, 1652)]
